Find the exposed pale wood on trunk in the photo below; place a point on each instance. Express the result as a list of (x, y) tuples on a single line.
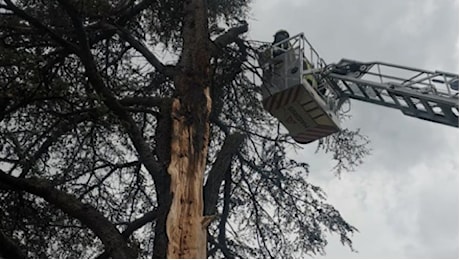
[(186, 226)]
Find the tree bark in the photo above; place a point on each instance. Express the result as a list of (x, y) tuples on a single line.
[(186, 226)]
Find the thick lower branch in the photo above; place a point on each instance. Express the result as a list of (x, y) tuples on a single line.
[(113, 241), (217, 172), (10, 248)]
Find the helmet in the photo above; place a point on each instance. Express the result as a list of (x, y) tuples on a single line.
[(281, 35)]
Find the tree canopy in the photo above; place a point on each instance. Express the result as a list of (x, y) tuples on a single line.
[(86, 90)]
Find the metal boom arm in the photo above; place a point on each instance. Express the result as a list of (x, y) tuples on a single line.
[(423, 94)]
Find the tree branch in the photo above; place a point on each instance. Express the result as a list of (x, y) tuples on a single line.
[(230, 36), (144, 101), (130, 12), (37, 24), (126, 14), (60, 129), (145, 153), (168, 71), (113, 241), (217, 173), (10, 248), (224, 217), (133, 226), (140, 222)]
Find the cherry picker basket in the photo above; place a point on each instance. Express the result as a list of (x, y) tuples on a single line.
[(294, 92)]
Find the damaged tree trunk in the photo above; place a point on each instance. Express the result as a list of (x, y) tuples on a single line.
[(186, 226)]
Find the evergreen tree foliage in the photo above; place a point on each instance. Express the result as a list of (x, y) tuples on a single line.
[(85, 98)]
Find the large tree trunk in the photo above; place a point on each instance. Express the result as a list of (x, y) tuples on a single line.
[(185, 225)]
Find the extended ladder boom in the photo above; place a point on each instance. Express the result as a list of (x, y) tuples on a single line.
[(418, 93)]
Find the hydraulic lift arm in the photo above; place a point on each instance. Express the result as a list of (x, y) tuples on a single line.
[(428, 95)]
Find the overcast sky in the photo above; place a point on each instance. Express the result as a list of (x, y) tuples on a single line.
[(404, 199)]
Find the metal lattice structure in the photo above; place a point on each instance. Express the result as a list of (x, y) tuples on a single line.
[(305, 93), (428, 95)]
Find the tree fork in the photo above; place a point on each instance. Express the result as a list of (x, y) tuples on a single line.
[(186, 226)]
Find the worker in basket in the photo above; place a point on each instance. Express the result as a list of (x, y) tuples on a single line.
[(282, 35)]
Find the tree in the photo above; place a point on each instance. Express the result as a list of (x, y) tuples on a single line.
[(104, 145)]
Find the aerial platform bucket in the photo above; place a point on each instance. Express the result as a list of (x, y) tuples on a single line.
[(291, 92), (304, 114)]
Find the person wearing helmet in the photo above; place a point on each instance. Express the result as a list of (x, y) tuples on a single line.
[(280, 36)]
